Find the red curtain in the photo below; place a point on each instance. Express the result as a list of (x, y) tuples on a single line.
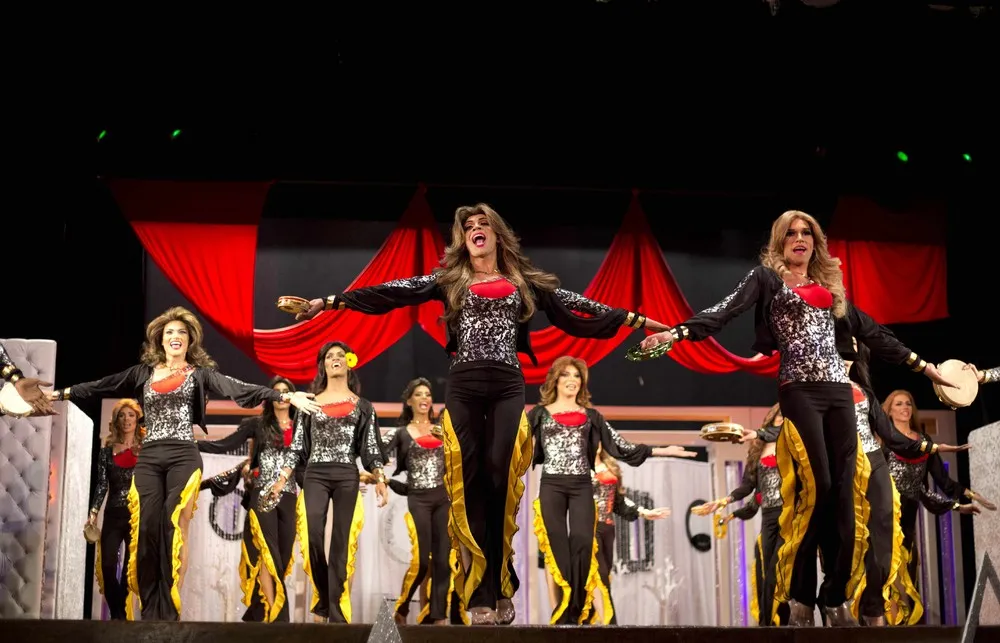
[(203, 236)]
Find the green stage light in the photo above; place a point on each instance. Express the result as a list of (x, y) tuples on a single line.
[(967, 157), (902, 156), (101, 136), (175, 134)]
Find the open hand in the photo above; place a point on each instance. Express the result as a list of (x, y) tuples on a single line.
[(655, 514), (969, 509), (304, 402), (705, 509), (656, 339), (975, 371), (984, 502), (382, 493), (40, 401), (748, 434), (935, 376), (674, 452), (947, 448), (315, 307)]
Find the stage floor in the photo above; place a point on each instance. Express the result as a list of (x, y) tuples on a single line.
[(51, 631)]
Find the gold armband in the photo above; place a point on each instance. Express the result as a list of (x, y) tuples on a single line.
[(987, 376), (923, 446), (680, 332), (956, 506), (330, 301), (934, 449), (970, 494), (916, 364), (11, 373), (63, 394), (635, 320)]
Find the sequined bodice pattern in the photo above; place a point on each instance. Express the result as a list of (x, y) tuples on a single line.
[(769, 487), (565, 447), (424, 467), (487, 330), (271, 460), (168, 415), (332, 439), (112, 480), (806, 340), (868, 441)]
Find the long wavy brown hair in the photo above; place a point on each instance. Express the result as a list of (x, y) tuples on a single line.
[(823, 269), (914, 419), (547, 391), (456, 274), (115, 435), (612, 466), (152, 349), (769, 418)]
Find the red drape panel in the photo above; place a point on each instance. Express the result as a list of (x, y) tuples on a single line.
[(203, 236), (413, 248), (895, 283)]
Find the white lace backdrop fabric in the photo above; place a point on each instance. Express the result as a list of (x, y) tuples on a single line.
[(639, 594)]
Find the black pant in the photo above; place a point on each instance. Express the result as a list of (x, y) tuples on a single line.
[(429, 510), (165, 482), (115, 530), (823, 440), (487, 451), (569, 553), (605, 562), (878, 559), (273, 535), (765, 557), (913, 610), (255, 612), (340, 483)]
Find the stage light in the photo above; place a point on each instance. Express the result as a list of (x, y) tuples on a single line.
[(175, 134), (902, 156), (967, 157), (104, 133)]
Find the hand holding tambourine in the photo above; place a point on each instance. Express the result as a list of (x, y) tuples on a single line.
[(955, 385), (303, 309)]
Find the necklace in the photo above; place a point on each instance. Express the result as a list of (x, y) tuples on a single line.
[(350, 398), (495, 271)]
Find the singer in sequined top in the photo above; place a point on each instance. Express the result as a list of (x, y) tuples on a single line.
[(270, 534), (420, 454), (611, 501), (115, 464), (566, 432), (329, 443), (798, 296), (171, 384), (26, 387), (490, 291)]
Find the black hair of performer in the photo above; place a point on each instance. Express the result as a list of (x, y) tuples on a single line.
[(490, 291), (611, 501), (329, 443), (171, 384), (910, 477), (798, 295), (115, 464), (419, 452), (567, 433), (271, 533), (27, 387)]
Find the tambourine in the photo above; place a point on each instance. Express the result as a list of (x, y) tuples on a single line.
[(293, 305), (722, 432), (11, 402), (638, 354), (721, 525), (91, 533), (267, 502), (438, 432), (955, 372)]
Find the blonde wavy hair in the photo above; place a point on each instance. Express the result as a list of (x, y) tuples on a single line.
[(823, 269), (115, 434), (547, 391), (456, 274), (152, 349), (914, 419), (612, 466)]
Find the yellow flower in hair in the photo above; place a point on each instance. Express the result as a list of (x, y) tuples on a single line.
[(351, 359)]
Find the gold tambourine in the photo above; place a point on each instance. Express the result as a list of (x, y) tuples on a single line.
[(92, 533), (267, 502), (955, 372), (721, 525), (722, 432), (637, 354), (293, 305), (11, 402), (438, 431)]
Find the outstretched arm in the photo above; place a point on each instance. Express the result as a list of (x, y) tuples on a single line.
[(380, 299), (884, 345)]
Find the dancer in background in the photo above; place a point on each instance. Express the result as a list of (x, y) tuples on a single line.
[(567, 432), (420, 454), (798, 293), (171, 384), (272, 526), (490, 291), (762, 479), (329, 443), (115, 464), (27, 387), (910, 477), (610, 500)]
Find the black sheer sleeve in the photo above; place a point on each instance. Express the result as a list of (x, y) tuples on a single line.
[(224, 483), (769, 434), (748, 510), (231, 441), (936, 503), (618, 447), (384, 298), (298, 453), (101, 490), (951, 488), (625, 507), (712, 320), (246, 395), (535, 422), (892, 439), (390, 443), (370, 442), (881, 340), (399, 487), (123, 384), (747, 485), (604, 323)]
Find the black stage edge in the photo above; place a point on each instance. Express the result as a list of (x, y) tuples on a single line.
[(52, 631)]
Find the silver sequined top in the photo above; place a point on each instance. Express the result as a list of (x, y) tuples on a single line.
[(992, 375), (112, 480), (806, 340), (769, 487), (271, 460), (605, 495), (868, 441), (565, 447), (332, 439), (911, 479), (168, 415), (486, 328), (424, 467)]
